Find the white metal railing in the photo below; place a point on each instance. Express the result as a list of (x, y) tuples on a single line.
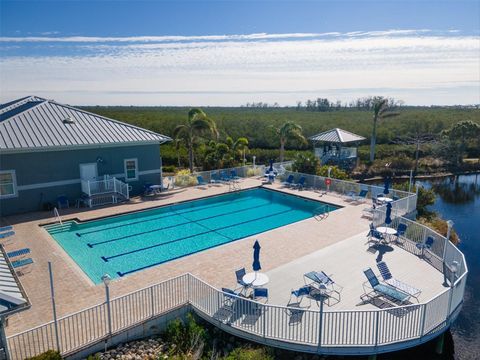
[(365, 329), (104, 190)]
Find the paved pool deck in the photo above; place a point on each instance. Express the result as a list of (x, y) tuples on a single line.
[(335, 244)]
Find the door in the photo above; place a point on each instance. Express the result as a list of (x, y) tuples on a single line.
[(88, 172)]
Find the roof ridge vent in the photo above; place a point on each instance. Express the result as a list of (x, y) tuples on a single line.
[(68, 120)]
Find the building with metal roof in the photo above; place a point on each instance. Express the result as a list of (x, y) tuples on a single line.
[(332, 149), (50, 150)]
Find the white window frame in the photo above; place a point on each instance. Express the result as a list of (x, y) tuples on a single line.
[(136, 169), (14, 180)]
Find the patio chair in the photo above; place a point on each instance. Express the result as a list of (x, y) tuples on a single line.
[(401, 230), (300, 184), (390, 280), (260, 293), (6, 228), (427, 244), (62, 202), (289, 181), (22, 262), (224, 177), (374, 234), (18, 252), (361, 196), (382, 290), (240, 273), (299, 295), (200, 181), (215, 179), (7, 234), (368, 212), (233, 174)]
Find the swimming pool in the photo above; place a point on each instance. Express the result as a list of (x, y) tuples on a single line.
[(121, 245)]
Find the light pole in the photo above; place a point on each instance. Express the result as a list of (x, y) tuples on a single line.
[(449, 230), (106, 280), (254, 157)]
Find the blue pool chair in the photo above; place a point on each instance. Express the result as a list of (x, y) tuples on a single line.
[(6, 234), (19, 252), (22, 262), (289, 181), (383, 290), (239, 274), (427, 244), (361, 196), (62, 202), (300, 184), (260, 293), (233, 175), (401, 230), (214, 178), (6, 228), (200, 181), (374, 234), (397, 284)]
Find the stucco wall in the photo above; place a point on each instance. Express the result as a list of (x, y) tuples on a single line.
[(38, 168)]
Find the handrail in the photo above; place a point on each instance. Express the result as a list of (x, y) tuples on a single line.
[(57, 215)]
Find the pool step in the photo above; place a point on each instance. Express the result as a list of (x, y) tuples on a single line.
[(58, 228)]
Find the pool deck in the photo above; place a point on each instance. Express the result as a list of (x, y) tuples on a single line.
[(335, 244)]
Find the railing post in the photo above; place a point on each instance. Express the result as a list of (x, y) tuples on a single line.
[(55, 321), (88, 188), (264, 320), (152, 300), (424, 316), (376, 327), (320, 326), (114, 185)]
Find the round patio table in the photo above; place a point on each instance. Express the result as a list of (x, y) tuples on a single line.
[(387, 231), (384, 199), (255, 279)]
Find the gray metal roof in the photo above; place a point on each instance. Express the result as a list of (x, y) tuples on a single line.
[(337, 136), (34, 123)]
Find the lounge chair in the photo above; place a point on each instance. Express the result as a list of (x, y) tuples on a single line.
[(300, 184), (6, 228), (240, 273), (224, 177), (324, 285), (200, 181), (390, 280), (427, 244), (233, 175), (19, 252), (401, 230), (62, 202), (6, 234), (382, 290), (289, 181), (361, 196), (215, 179), (22, 262)]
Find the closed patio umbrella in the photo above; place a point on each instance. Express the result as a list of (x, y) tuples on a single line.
[(270, 170), (388, 219), (256, 257), (386, 184)]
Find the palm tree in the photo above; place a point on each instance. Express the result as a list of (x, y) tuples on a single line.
[(288, 131), (380, 111), (198, 125), (237, 147)]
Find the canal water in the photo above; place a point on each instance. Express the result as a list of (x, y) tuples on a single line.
[(458, 199)]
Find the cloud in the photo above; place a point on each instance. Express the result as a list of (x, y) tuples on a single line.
[(418, 66)]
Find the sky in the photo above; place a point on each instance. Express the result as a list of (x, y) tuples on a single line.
[(229, 53)]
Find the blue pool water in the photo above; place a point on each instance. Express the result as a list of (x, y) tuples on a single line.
[(124, 244)]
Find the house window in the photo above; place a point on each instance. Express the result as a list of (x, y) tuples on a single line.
[(8, 184), (131, 169)]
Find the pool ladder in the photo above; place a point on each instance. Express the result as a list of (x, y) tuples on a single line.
[(321, 212), (57, 216)]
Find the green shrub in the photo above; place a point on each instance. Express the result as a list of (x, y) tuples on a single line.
[(244, 353), (47, 355), (169, 168), (185, 338), (306, 163), (184, 178), (335, 173), (254, 172)]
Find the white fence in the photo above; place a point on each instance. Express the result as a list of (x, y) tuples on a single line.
[(104, 191), (316, 331)]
